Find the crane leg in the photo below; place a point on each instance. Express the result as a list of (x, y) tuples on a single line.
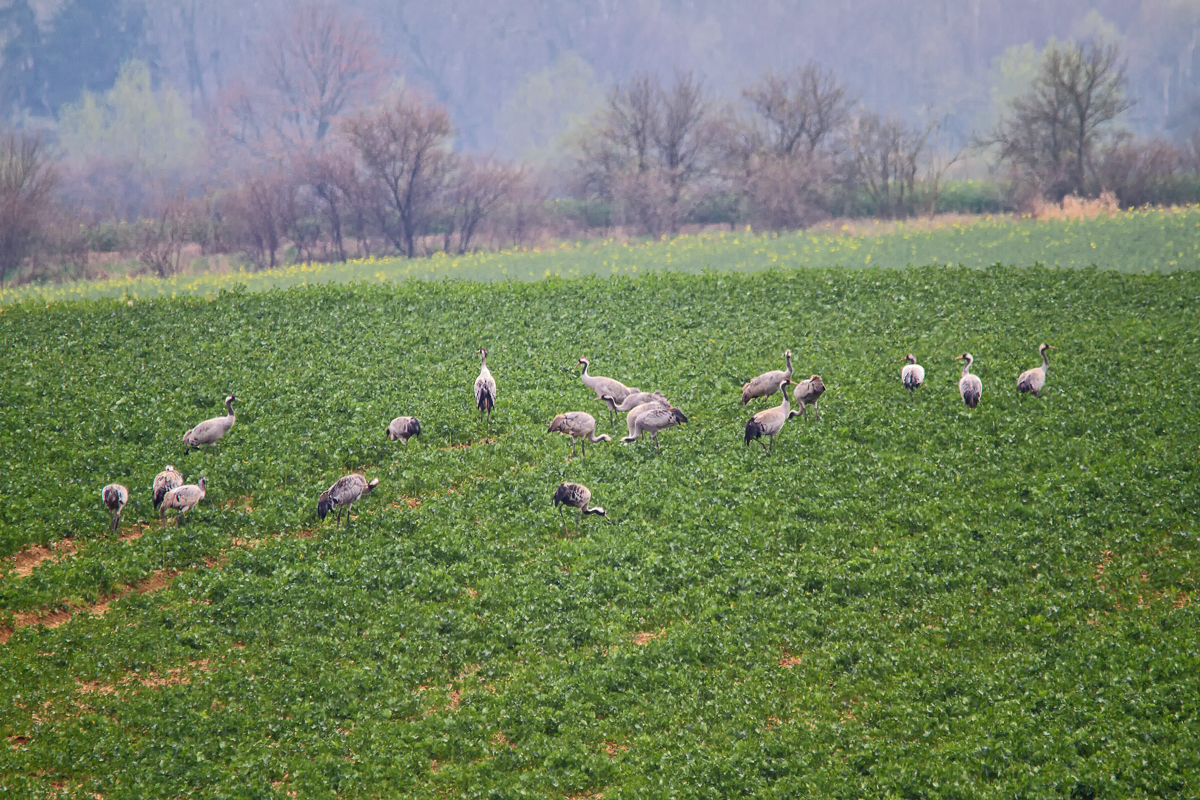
[(579, 521), (348, 507), (764, 447)]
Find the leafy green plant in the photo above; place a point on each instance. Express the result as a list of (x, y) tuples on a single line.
[(905, 598)]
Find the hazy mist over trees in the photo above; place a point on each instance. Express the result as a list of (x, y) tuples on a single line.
[(309, 129)]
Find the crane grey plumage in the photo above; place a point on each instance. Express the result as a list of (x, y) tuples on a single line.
[(485, 388), (580, 426), (767, 384), (346, 491), (1032, 380), (912, 375), (183, 499), (807, 393), (634, 400), (770, 421), (577, 496), (605, 386), (211, 430), (651, 418), (115, 497), (164, 482), (403, 428), (970, 388)]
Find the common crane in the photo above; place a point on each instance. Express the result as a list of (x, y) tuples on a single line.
[(211, 430), (767, 384), (577, 496), (1032, 380), (580, 426), (346, 491)]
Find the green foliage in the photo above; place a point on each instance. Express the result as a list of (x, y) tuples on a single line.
[(905, 600), (1132, 241), (536, 121), (133, 123)]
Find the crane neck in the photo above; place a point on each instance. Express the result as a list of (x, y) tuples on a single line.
[(1045, 360), (788, 357), (967, 368), (229, 408)]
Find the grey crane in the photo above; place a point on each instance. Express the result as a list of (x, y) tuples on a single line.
[(634, 400), (912, 375), (1032, 380), (485, 388), (580, 426), (767, 384), (807, 393), (403, 428), (770, 422), (211, 430), (970, 388), (577, 496), (605, 386), (164, 482), (115, 497), (183, 499), (651, 418), (346, 491)]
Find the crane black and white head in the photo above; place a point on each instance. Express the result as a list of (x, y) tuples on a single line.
[(1043, 347), (587, 362), (910, 358), (970, 359), (324, 505)]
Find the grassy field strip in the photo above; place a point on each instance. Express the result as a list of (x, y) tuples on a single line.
[(1151, 241), (904, 599)]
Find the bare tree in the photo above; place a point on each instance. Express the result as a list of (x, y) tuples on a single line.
[(649, 148), (28, 177), (405, 146), (798, 111), (1051, 131), (332, 176), (317, 67), (887, 157), (477, 189)]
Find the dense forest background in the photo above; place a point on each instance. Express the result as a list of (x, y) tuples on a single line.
[(140, 107)]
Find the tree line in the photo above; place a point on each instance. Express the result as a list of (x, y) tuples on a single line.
[(319, 154)]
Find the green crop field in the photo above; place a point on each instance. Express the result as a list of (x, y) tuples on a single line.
[(905, 599), (1138, 241)]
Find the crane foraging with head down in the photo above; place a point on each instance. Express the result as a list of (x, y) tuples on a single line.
[(770, 422), (211, 430), (115, 497), (912, 375), (807, 393), (183, 499), (346, 492), (485, 388), (580, 426), (651, 418), (767, 384), (634, 400), (1032, 380), (970, 388), (577, 496), (403, 428)]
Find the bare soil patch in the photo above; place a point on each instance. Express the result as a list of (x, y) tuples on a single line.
[(24, 562)]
